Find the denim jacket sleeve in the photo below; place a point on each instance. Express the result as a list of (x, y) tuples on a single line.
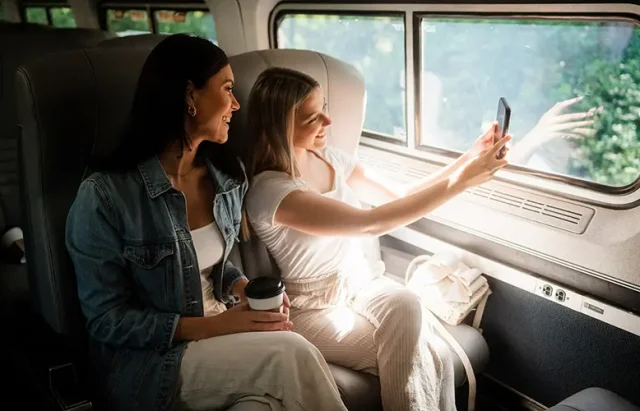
[(230, 276), (105, 290)]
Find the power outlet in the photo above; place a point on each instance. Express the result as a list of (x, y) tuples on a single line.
[(558, 294)]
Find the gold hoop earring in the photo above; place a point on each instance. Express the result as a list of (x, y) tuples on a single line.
[(192, 111)]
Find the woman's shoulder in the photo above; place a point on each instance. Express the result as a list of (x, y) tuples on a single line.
[(109, 190), (266, 191)]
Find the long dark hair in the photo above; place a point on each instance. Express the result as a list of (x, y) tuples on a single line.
[(157, 116)]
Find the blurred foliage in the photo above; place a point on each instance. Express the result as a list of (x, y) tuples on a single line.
[(62, 17), (127, 22), (37, 15), (374, 45), (195, 22)]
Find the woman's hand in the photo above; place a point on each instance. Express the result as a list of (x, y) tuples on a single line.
[(241, 318), (238, 319), (484, 142), (287, 305), (481, 168), (238, 289)]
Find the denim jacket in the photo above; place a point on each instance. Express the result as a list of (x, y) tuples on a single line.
[(137, 273)]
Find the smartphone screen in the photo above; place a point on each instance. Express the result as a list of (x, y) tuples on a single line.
[(503, 117)]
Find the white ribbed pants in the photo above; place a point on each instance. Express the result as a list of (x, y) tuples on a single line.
[(380, 331)]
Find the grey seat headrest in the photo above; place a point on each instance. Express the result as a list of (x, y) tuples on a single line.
[(141, 40)]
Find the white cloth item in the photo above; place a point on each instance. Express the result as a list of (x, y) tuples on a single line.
[(450, 290), (209, 246), (443, 274), (11, 236), (302, 256)]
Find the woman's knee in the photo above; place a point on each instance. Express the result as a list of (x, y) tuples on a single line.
[(406, 303), (294, 343)]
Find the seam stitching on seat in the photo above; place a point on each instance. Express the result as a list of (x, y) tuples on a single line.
[(97, 108), (35, 111), (326, 72)]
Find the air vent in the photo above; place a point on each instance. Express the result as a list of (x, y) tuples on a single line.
[(416, 173), (544, 210), (382, 165)]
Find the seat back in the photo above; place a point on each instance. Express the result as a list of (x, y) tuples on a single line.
[(70, 105), (6, 26), (20, 44), (140, 40), (344, 91)]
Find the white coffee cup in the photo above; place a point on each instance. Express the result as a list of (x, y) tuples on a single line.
[(265, 294)]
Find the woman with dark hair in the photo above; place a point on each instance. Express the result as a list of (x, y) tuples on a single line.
[(150, 234)]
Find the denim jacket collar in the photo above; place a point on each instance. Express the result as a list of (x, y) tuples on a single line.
[(157, 182)]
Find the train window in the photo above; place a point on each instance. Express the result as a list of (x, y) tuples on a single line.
[(2, 12), (62, 17), (573, 86), (182, 21), (128, 22), (36, 15), (374, 44)]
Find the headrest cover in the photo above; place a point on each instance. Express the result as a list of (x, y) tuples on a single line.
[(342, 84), (142, 40)]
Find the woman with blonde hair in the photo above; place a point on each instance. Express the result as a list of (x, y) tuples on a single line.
[(304, 204)]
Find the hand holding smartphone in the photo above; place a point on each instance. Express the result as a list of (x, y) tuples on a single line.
[(503, 118)]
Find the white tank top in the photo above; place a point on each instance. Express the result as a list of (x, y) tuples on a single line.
[(209, 246)]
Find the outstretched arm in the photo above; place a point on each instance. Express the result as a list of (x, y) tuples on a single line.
[(315, 214)]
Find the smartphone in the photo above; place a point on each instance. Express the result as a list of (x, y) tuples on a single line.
[(503, 118)]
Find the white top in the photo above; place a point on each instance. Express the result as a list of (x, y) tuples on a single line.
[(300, 255), (209, 246)]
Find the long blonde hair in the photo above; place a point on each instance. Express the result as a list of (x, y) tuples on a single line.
[(273, 101)]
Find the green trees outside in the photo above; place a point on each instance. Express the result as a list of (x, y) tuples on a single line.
[(195, 22), (62, 17), (167, 22)]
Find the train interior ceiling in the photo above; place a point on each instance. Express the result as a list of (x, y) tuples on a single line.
[(556, 233)]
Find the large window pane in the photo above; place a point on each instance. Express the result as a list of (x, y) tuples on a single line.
[(37, 15), (128, 22), (373, 44), (2, 13), (62, 17), (536, 64), (194, 22)]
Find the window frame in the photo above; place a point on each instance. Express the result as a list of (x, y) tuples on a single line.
[(150, 9), (273, 43), (555, 184)]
